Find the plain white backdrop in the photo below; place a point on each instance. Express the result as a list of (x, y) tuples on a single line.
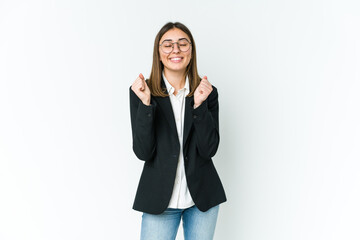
[(288, 79)]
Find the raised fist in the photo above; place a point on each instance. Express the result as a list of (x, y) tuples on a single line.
[(202, 91), (141, 89)]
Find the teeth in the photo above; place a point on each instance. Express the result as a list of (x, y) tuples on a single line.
[(175, 59)]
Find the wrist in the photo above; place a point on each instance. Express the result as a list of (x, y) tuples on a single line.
[(146, 102)]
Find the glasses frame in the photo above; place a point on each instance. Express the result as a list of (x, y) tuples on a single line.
[(172, 45)]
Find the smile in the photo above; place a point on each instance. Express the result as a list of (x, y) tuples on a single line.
[(176, 59)]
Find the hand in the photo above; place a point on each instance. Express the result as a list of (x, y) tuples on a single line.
[(141, 89), (202, 91)]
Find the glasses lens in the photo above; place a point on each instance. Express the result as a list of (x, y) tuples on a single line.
[(166, 46), (184, 45)]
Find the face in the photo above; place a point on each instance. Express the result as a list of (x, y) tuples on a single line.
[(176, 60)]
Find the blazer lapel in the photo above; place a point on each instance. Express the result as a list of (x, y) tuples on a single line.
[(188, 122), (165, 106)]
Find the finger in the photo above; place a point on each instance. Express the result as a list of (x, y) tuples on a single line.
[(141, 76), (138, 84), (137, 80), (204, 80), (142, 85), (206, 85), (135, 84), (203, 89)]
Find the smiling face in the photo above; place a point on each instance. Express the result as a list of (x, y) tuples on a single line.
[(176, 60)]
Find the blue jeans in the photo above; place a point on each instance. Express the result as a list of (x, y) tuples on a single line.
[(197, 225)]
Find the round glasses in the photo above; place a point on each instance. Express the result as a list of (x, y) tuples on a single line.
[(183, 45)]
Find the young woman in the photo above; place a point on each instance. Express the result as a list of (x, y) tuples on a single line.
[(175, 130)]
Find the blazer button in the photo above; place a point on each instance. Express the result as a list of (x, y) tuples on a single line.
[(195, 116), (149, 114)]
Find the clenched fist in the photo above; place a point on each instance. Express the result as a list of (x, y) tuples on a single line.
[(202, 92), (141, 89)]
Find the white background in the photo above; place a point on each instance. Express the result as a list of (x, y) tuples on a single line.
[(288, 79)]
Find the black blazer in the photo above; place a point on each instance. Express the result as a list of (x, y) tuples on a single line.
[(156, 142)]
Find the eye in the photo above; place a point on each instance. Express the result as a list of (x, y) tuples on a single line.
[(183, 43), (167, 44)]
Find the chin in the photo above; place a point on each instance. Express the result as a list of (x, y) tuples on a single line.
[(176, 68)]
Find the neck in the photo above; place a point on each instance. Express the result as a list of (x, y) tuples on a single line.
[(176, 79)]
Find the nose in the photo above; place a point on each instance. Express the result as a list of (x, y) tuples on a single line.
[(176, 48)]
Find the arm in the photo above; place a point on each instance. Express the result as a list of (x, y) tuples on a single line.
[(206, 124), (142, 125)]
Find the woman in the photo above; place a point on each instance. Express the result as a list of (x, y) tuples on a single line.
[(175, 130)]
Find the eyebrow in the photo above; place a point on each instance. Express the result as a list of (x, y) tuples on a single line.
[(171, 39)]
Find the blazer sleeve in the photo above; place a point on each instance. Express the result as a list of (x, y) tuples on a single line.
[(206, 124), (142, 125)]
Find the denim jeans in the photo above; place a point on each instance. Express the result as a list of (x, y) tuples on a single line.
[(197, 225)]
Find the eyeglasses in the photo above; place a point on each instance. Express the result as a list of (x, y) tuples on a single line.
[(167, 46)]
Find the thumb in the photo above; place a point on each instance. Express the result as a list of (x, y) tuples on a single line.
[(141, 76), (142, 82)]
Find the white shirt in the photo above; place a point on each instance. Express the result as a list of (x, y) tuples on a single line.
[(181, 197)]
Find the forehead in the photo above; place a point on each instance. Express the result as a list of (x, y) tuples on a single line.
[(174, 34)]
